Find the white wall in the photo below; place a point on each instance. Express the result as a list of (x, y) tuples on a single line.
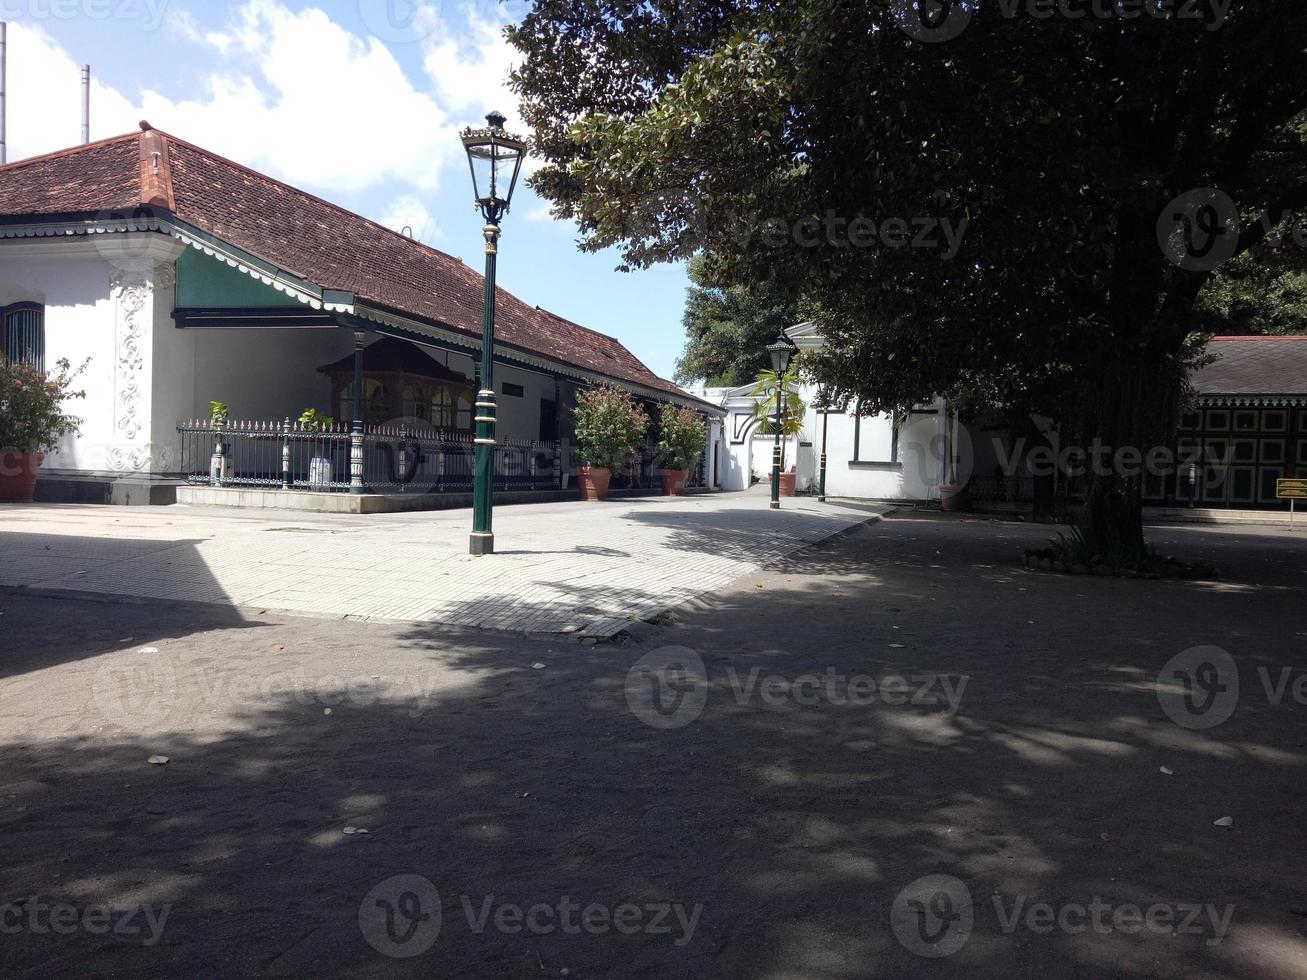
[(99, 304)]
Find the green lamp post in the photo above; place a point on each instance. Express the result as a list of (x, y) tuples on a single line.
[(781, 351), (494, 157)]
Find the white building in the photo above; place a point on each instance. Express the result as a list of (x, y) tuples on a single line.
[(180, 278), (873, 457)]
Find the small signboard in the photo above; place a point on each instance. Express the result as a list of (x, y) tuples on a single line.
[(1291, 489)]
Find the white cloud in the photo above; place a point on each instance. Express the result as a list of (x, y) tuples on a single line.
[(470, 70), (44, 95), (408, 211)]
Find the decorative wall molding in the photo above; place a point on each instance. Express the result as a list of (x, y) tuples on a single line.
[(132, 292)]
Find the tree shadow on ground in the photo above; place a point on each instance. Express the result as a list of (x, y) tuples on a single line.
[(792, 823)]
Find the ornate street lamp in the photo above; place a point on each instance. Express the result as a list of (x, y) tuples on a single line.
[(494, 157), (821, 469), (781, 350)]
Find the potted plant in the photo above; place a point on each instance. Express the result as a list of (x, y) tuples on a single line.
[(610, 426), (792, 411), (220, 461), (319, 466), (684, 439), (32, 420)]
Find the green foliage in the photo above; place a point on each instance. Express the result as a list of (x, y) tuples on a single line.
[(217, 411), (1250, 295), (32, 419), (684, 436), (610, 426), (1054, 144), (792, 406), (313, 419), (728, 327)]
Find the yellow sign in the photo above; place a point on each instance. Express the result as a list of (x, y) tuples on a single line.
[(1291, 489)]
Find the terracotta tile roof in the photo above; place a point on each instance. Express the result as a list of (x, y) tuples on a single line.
[(101, 176), (1254, 366), (302, 234)]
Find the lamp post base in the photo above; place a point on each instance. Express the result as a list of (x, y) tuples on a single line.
[(481, 543), (775, 505)]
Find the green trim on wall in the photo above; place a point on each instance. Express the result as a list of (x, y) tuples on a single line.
[(206, 282)]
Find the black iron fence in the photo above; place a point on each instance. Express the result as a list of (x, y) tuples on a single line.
[(392, 458)]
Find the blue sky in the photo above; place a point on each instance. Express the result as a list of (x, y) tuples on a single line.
[(357, 101)]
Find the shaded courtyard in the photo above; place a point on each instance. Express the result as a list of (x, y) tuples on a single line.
[(775, 824)]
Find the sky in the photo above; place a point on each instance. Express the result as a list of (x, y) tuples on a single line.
[(357, 101)]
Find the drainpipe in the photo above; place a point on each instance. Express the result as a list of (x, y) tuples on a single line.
[(86, 103)]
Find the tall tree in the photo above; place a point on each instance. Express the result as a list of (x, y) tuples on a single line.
[(728, 327), (1016, 197)]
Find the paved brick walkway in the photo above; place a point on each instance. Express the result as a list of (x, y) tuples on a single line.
[(561, 567)]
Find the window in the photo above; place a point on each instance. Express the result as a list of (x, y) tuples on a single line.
[(875, 440), (442, 408), (463, 411), (512, 390), (22, 334), (375, 401), (414, 403)]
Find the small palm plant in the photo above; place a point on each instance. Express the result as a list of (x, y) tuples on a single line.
[(792, 406)]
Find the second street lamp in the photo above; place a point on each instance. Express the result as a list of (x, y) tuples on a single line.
[(781, 351), (494, 158)]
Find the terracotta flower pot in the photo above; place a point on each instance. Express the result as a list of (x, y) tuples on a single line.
[(953, 496), (593, 481), (18, 476), (787, 483), (674, 482)]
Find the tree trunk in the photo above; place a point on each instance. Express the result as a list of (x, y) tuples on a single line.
[(1131, 413)]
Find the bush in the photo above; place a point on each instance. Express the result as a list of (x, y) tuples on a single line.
[(684, 437), (610, 426), (32, 419)]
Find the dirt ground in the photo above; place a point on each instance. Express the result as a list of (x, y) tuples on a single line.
[(755, 788)]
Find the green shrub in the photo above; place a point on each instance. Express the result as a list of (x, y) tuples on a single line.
[(32, 418), (684, 437), (610, 426)]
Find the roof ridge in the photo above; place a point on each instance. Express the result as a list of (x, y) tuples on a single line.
[(309, 194), (67, 151)]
